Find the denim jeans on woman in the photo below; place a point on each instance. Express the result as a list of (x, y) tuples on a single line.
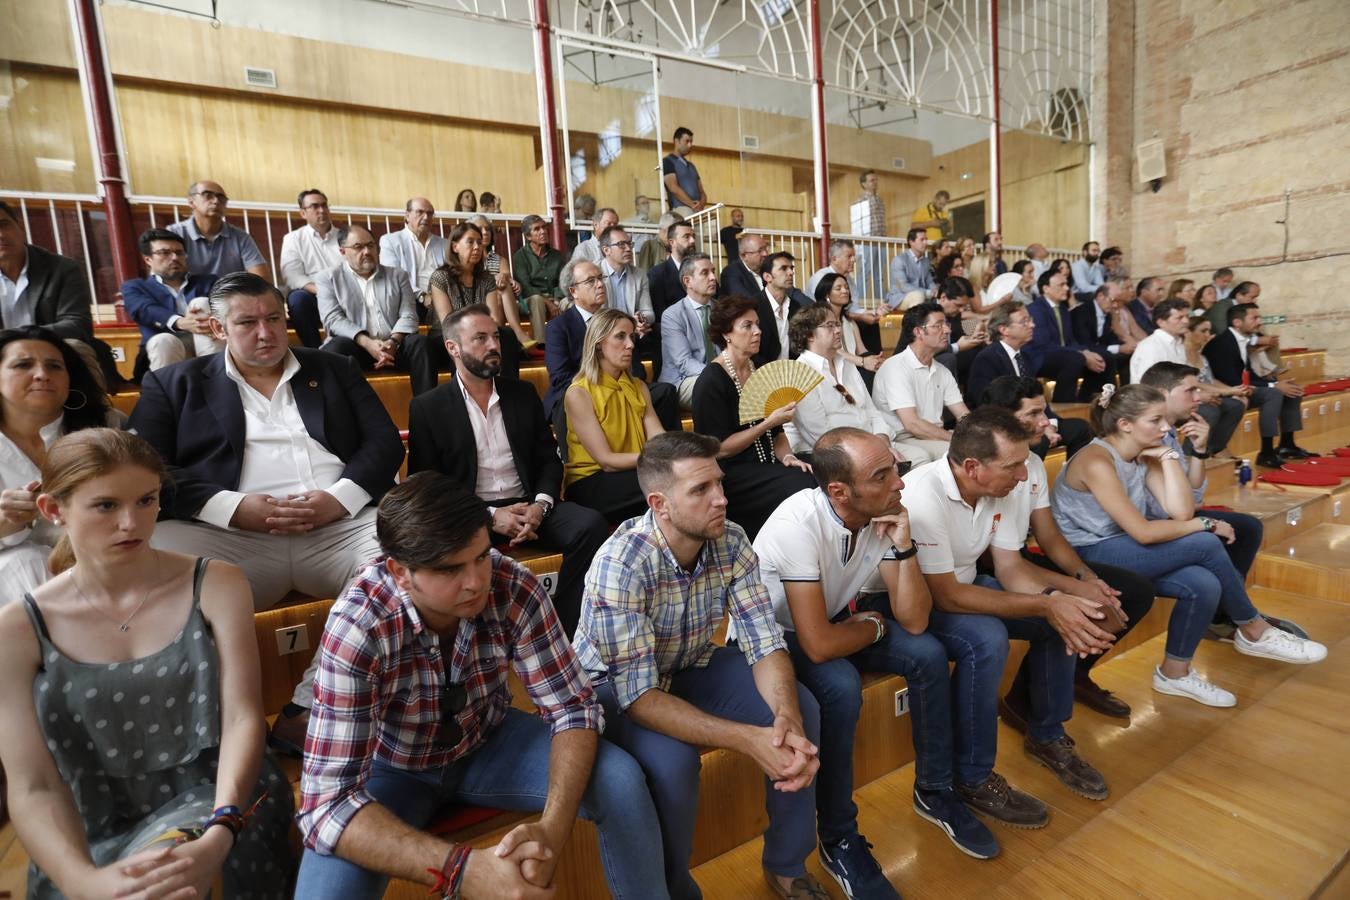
[(1194, 569), (837, 687), (510, 771), (978, 644)]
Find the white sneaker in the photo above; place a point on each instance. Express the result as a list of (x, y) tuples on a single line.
[(1281, 645), (1193, 686)]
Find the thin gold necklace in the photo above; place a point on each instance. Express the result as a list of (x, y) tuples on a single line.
[(124, 625)]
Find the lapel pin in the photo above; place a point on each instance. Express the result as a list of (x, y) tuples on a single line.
[(313, 383)]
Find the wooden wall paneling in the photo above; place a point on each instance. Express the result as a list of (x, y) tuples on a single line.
[(38, 33), (44, 119)]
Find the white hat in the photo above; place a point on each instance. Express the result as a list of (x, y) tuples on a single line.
[(1001, 287)]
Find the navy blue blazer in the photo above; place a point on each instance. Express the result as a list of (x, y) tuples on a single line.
[(190, 412), (1045, 337), (665, 287), (990, 363), (563, 338), (151, 305), (739, 280), (1142, 315)]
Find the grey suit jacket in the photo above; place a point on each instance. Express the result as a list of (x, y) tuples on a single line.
[(908, 274), (682, 347), (637, 298), (396, 249), (58, 294), (343, 308)]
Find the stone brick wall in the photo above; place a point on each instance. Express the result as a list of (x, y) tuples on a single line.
[(1253, 101)]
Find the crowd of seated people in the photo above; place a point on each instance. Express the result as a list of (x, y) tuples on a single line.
[(878, 525)]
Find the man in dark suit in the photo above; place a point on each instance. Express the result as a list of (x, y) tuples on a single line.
[(162, 306), (583, 284), (663, 281), (489, 433), (1054, 352), (741, 275), (1092, 327), (1010, 330), (1147, 294), (1281, 412), (779, 301), (38, 287), (277, 458)]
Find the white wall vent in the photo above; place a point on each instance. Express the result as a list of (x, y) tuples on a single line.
[(263, 78), (898, 162), (750, 142), (1151, 158)]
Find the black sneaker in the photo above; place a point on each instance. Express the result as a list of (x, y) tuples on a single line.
[(851, 863), (999, 800), (1269, 459), (1059, 757), (945, 810)]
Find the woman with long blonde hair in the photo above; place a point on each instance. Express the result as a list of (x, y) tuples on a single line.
[(610, 418), (131, 722)]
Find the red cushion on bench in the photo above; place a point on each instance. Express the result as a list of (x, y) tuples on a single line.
[(1329, 466), (1302, 477), (1342, 452)]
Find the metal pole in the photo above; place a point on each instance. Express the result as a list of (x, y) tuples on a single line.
[(822, 167), (98, 90), (548, 124), (995, 129)]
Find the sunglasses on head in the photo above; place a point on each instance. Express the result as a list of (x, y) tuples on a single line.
[(454, 697)]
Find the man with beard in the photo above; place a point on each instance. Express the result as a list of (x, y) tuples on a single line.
[(655, 598), (1088, 273), (489, 434), (162, 305)]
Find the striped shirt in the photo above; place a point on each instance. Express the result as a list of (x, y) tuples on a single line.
[(644, 617), (377, 695)]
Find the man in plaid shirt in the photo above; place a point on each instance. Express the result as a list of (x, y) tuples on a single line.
[(412, 711), (655, 597)]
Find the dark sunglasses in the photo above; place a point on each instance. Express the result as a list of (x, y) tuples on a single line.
[(454, 697), (847, 396)]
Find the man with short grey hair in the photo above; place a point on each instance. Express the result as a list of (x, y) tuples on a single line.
[(589, 249), (277, 457), (370, 313), (685, 345), (214, 246)]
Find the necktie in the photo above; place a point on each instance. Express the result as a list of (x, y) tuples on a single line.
[(709, 351), (1059, 324), (1017, 363)]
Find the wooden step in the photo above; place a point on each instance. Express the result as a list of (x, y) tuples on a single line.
[(1313, 562), (1282, 513)]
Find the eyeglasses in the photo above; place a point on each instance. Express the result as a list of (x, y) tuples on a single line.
[(364, 245), (165, 254), (831, 325), (847, 396), (211, 195), (315, 206), (454, 697), (940, 326), (625, 245), (588, 282)]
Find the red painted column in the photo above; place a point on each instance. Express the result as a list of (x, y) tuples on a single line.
[(548, 124), (995, 136), (822, 167), (121, 234)]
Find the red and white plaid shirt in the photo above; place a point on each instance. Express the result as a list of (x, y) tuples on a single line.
[(377, 695)]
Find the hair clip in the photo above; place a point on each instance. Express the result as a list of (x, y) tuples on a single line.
[(1108, 391)]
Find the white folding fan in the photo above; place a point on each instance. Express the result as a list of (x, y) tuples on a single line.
[(775, 385)]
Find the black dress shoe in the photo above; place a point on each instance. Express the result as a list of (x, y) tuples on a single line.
[(1294, 453), (1269, 459)]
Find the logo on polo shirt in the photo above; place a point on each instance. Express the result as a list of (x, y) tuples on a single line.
[(993, 524)]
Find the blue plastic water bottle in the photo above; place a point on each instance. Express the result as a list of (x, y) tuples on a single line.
[(1245, 473)]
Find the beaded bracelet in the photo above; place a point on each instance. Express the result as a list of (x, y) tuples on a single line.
[(450, 874)]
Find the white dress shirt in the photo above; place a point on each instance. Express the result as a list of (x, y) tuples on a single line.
[(826, 407), (1157, 347), (14, 311), (305, 253), (497, 475), (780, 320), (426, 264), (17, 470), (1012, 355), (280, 456), (1242, 344), (376, 325)]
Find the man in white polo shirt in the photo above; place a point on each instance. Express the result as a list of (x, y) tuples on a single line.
[(1167, 343), (959, 508), (912, 389), (817, 553)]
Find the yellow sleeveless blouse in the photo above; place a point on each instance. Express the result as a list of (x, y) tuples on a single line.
[(620, 406)]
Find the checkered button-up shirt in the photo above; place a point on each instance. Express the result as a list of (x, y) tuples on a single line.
[(875, 223), (377, 695), (644, 617)]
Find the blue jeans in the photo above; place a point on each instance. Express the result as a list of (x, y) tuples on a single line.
[(837, 687), (724, 688), (872, 278), (1195, 569), (510, 771), (1248, 530), (978, 644)]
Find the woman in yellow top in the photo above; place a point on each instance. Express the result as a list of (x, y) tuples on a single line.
[(609, 419)]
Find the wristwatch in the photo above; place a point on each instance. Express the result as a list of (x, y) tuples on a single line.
[(545, 506), (1209, 524), (906, 554)]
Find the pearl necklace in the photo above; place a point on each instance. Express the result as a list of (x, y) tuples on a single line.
[(762, 452)]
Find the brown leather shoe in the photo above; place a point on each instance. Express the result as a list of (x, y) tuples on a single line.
[(999, 800), (1098, 698), (287, 735), (1059, 757), (803, 887), (1012, 713)]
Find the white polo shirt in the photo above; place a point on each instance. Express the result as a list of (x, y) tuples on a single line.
[(1029, 495), (804, 540), (951, 535), (903, 382)]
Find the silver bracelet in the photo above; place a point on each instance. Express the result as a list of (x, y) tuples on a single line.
[(881, 631)]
